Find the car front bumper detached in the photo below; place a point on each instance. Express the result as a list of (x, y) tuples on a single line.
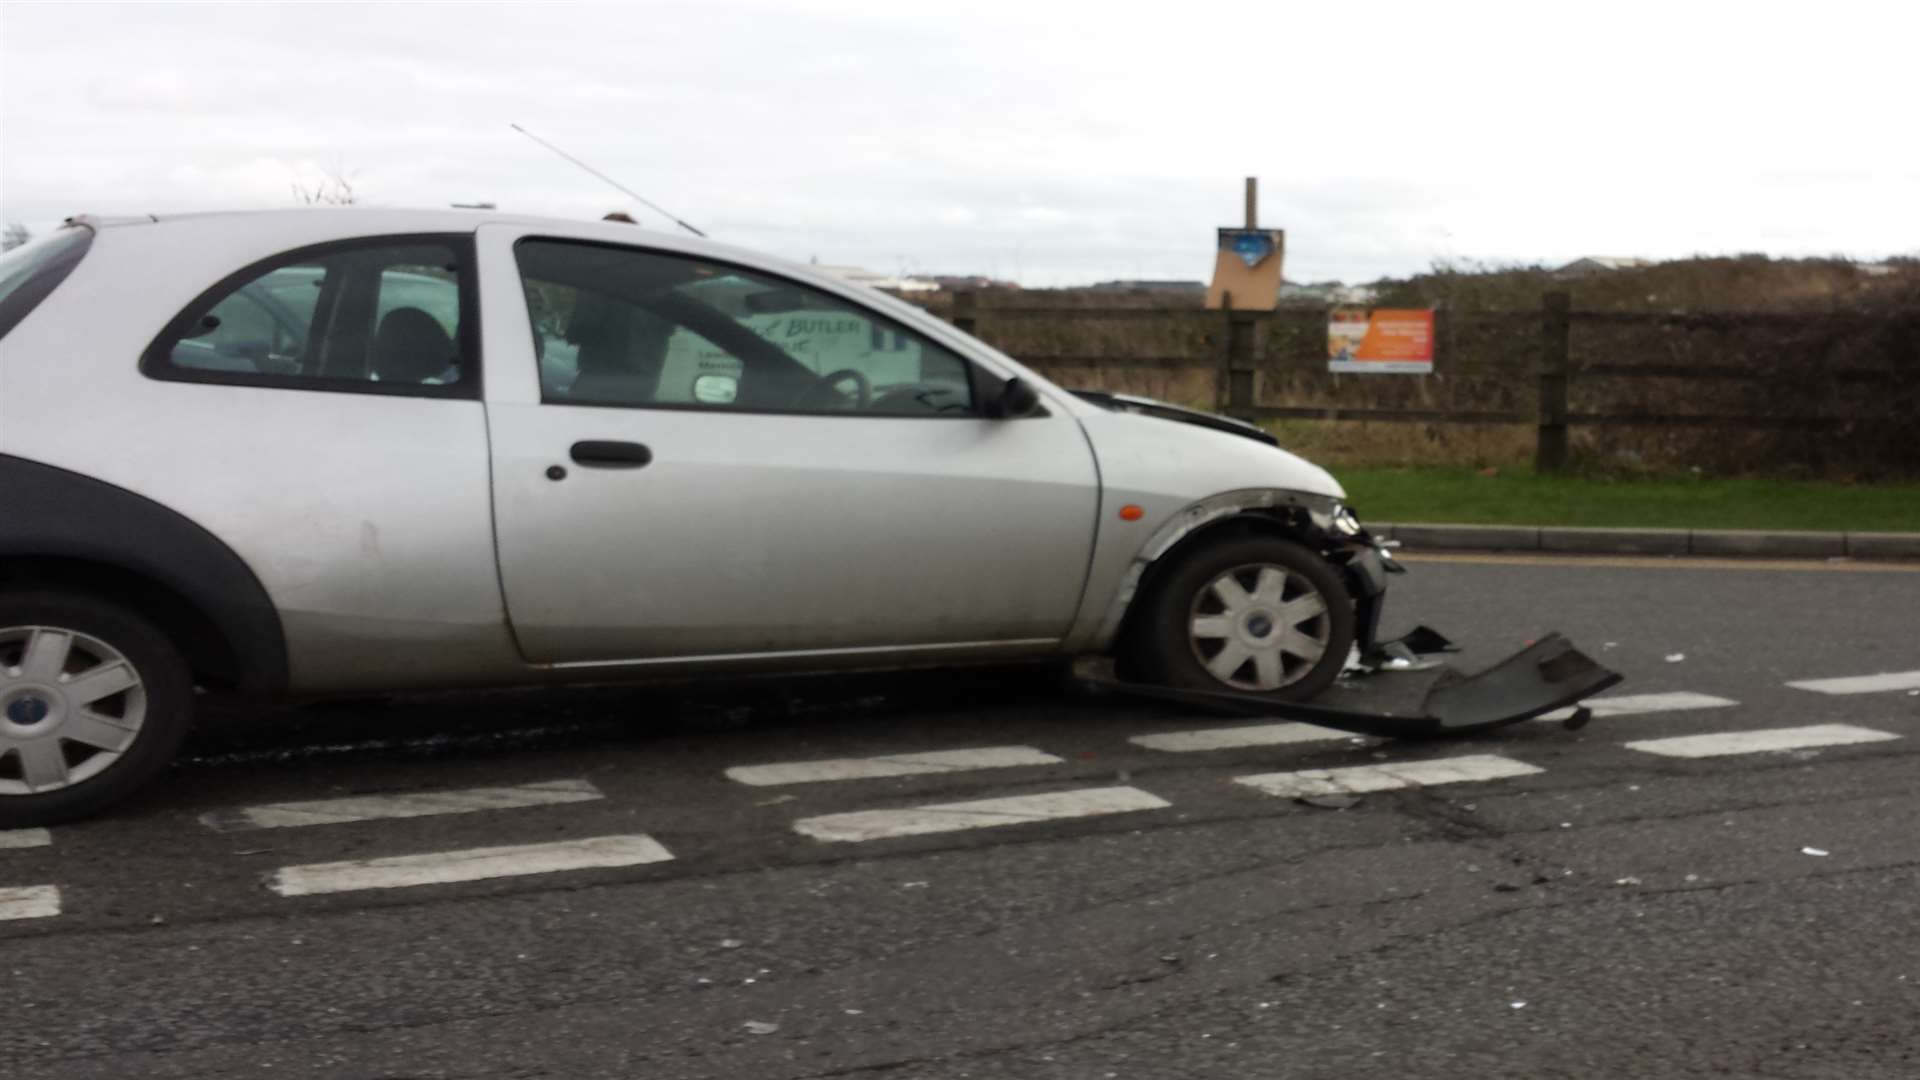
[(1548, 674)]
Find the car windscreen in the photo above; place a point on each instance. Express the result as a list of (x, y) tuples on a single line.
[(32, 271)]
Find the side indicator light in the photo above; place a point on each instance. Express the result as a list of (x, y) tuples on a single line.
[(1130, 512)]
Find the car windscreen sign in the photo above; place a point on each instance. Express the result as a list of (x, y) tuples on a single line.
[(822, 341), (1383, 341)]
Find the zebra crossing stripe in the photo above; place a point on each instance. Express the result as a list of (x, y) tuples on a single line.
[(1241, 735), (870, 768), (31, 902), (1636, 704), (1862, 684), (406, 805), (24, 838), (474, 864), (1359, 779), (1760, 742), (979, 814)]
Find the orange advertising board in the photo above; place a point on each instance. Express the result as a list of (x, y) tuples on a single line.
[(1395, 341)]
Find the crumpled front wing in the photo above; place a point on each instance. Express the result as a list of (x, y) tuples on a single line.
[(1546, 675)]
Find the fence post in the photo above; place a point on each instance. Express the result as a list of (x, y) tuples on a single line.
[(1244, 346), (1550, 452), (964, 308), (1223, 384)]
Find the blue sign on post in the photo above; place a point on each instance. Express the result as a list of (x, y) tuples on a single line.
[(1252, 245)]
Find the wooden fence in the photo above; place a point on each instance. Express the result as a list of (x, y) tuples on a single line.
[(1759, 384)]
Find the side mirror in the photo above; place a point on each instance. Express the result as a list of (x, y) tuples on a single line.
[(1016, 400)]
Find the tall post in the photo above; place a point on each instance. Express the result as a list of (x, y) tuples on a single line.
[(1223, 391), (1253, 202), (1550, 452)]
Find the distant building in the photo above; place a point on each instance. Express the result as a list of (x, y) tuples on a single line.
[(1327, 292), (963, 282), (874, 279), (1154, 285), (1599, 264)]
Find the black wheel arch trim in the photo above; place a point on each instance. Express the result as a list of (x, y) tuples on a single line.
[(51, 513)]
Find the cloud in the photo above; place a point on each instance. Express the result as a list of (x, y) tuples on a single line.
[(1064, 142)]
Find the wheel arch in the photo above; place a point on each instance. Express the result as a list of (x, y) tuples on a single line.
[(86, 536), (1302, 517)]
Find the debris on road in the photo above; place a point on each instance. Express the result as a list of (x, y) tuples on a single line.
[(1627, 881), (1820, 852), (731, 943), (1674, 658), (761, 1027)]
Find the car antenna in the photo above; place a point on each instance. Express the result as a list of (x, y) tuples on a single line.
[(643, 200)]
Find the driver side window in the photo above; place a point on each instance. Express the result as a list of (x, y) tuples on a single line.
[(615, 326)]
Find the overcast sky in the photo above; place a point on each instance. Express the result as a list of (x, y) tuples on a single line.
[(1055, 143)]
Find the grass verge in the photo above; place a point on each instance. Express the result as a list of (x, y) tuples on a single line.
[(1518, 496)]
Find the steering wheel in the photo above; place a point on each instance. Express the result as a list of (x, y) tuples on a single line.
[(863, 389)]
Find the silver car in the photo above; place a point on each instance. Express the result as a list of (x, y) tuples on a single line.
[(323, 452)]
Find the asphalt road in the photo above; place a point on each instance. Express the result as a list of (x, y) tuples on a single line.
[(1613, 912)]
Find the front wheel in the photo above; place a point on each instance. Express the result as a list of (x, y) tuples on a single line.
[(1254, 614), (94, 702)]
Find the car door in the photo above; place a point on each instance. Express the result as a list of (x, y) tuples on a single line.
[(719, 462), (286, 408)]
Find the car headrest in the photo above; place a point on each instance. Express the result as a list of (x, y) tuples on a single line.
[(411, 347)]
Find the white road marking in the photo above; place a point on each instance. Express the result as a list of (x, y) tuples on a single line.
[(1862, 684), (474, 864), (24, 838), (1358, 779), (31, 902), (1634, 704), (979, 814), (1760, 742), (1227, 738), (413, 804), (936, 761)]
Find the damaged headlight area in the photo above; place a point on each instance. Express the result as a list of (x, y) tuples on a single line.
[(1345, 521)]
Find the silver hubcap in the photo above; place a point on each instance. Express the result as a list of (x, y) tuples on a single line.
[(70, 705), (1259, 627)]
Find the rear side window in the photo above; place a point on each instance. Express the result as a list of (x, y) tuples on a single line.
[(387, 316), (32, 271)]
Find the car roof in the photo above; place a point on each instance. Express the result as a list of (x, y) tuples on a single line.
[(352, 219), (323, 224)]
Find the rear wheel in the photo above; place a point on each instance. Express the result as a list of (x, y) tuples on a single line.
[(1253, 614), (94, 702)]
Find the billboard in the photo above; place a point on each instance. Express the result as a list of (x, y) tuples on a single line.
[(1383, 341)]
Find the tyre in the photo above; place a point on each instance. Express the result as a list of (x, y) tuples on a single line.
[(94, 702), (1253, 614)]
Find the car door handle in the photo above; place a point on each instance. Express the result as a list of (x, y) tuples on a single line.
[(605, 454)]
